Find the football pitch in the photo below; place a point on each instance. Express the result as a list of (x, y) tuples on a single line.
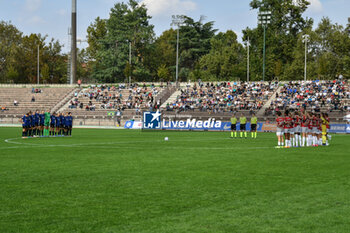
[(134, 181)]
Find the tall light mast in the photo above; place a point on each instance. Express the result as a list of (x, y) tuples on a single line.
[(74, 42)]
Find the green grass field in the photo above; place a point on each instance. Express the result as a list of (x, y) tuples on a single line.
[(133, 181)]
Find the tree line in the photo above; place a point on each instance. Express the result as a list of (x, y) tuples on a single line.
[(18, 57), (204, 53)]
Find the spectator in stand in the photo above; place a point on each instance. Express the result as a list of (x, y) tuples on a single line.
[(33, 98), (111, 97), (3, 109), (15, 103), (224, 97), (313, 95)]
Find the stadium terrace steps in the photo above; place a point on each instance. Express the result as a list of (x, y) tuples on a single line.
[(124, 95), (267, 104), (59, 98), (63, 104), (43, 101), (172, 98)]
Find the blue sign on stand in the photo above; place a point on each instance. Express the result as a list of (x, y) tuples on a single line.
[(338, 128)]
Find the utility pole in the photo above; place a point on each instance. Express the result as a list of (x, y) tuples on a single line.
[(306, 39), (74, 42), (130, 63), (248, 45), (177, 20), (38, 68), (69, 65), (264, 52), (264, 18)]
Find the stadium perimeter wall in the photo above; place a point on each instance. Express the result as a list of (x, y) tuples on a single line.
[(226, 126)]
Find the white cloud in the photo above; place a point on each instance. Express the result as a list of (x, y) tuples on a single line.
[(33, 5), (62, 12), (315, 6), (166, 7), (36, 20)]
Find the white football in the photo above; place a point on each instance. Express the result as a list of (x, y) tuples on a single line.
[(166, 138)]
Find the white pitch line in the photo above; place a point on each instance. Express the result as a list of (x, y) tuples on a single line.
[(152, 148), (26, 145), (10, 140), (182, 139)]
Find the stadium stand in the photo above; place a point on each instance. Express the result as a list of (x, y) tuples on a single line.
[(21, 100), (319, 96), (104, 101), (107, 104), (223, 97)]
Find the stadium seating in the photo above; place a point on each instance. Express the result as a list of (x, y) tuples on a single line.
[(98, 101), (320, 96), (28, 100), (223, 98), (199, 100)]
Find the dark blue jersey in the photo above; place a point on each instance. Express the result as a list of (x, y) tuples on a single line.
[(32, 120), (70, 120), (42, 118), (24, 119), (67, 121), (53, 120), (63, 120), (58, 121), (36, 118)]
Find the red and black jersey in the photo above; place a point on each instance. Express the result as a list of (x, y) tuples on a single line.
[(304, 121), (280, 122), (314, 121), (288, 122), (297, 120), (309, 123)]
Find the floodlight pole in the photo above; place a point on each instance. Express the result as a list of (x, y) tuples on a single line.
[(177, 56), (248, 45), (130, 63), (264, 18), (74, 42), (177, 20), (264, 52), (38, 64), (305, 40)]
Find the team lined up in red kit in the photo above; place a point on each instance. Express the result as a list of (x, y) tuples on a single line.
[(310, 125), (289, 122)]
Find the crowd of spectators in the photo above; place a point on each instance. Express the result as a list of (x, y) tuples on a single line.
[(223, 97), (311, 95), (116, 97)]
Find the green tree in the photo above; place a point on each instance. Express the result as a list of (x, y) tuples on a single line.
[(163, 73), (12, 74), (194, 43), (128, 23), (45, 73), (10, 40), (226, 59), (95, 33), (287, 22), (164, 52)]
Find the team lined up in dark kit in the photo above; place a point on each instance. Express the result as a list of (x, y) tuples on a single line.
[(45, 124)]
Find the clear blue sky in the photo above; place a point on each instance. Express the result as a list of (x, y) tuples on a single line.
[(52, 17)]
